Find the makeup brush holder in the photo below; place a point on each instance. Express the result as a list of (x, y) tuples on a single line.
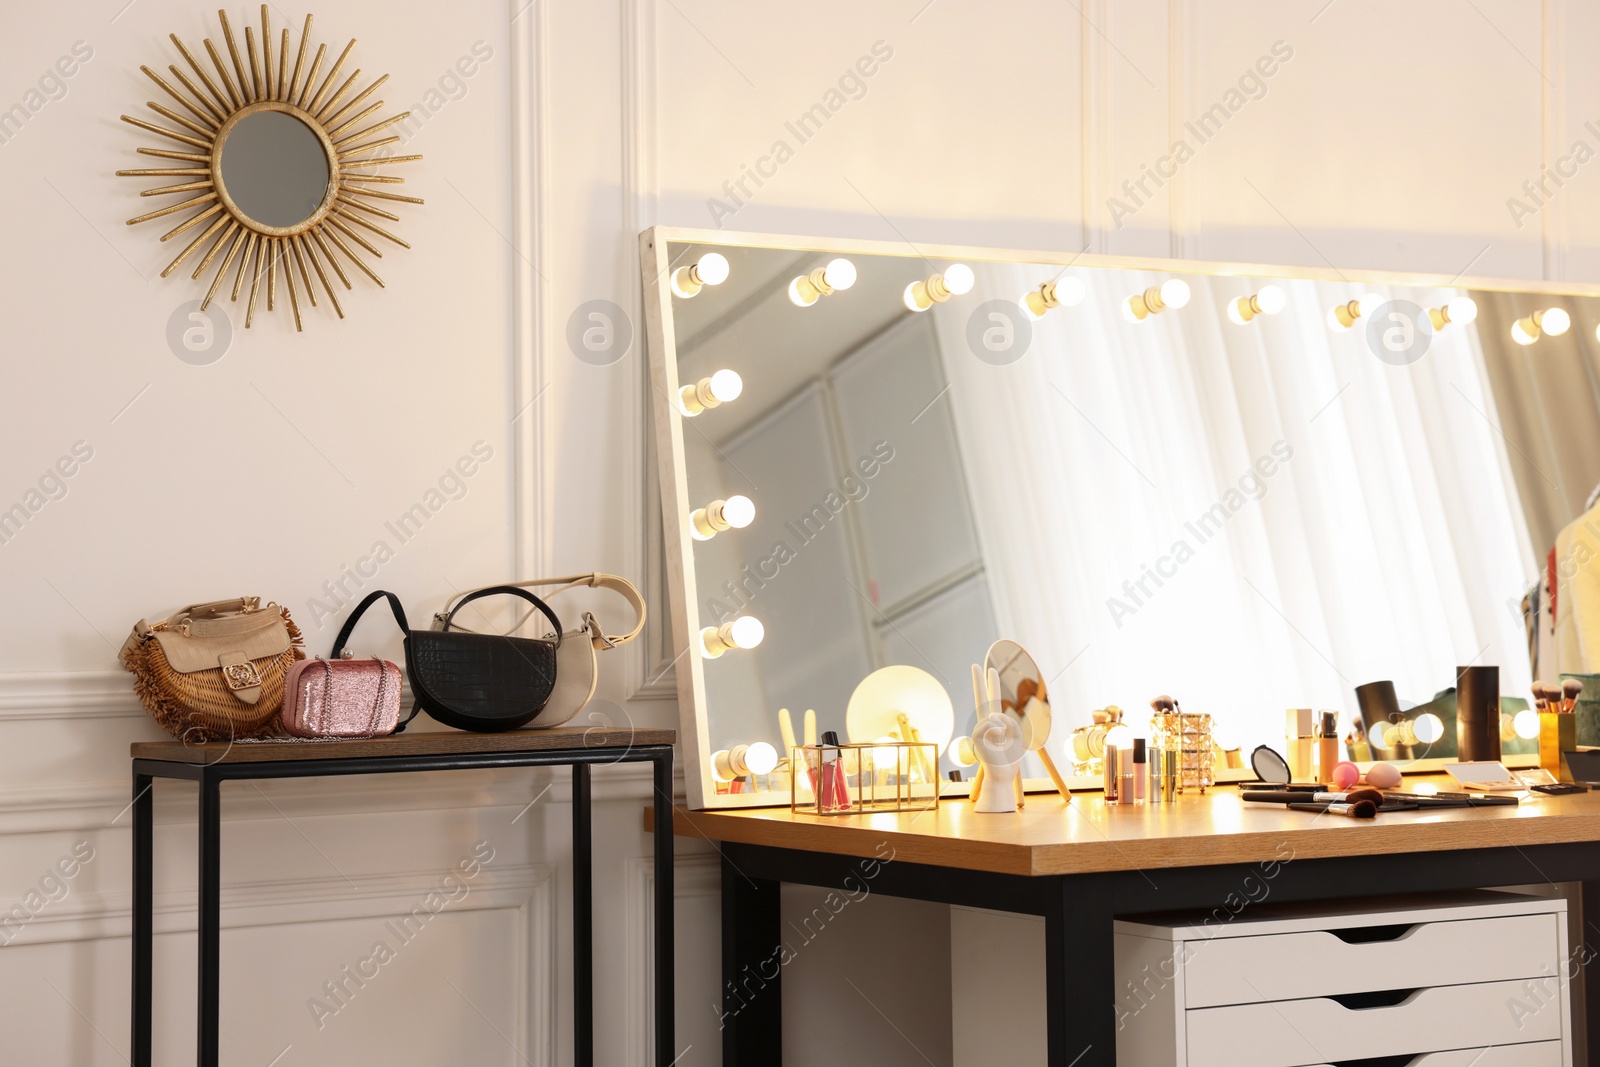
[(860, 779), (1188, 736), (1558, 734)]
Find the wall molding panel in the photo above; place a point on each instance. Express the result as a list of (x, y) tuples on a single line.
[(697, 875)]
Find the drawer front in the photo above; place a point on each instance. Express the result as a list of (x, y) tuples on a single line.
[(1543, 1054), (1316, 963), (1322, 1030)]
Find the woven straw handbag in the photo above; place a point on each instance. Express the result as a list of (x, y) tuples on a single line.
[(214, 672)]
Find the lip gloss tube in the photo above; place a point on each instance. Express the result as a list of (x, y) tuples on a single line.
[(1140, 770)]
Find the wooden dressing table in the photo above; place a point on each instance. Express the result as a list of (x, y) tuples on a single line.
[(1080, 865)]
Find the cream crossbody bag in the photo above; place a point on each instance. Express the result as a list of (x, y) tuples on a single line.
[(576, 671)]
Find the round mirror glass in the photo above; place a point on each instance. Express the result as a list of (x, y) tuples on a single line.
[(275, 169)]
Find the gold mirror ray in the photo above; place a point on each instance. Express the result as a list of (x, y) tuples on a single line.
[(212, 111)]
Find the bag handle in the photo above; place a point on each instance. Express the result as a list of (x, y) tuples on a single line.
[(361, 609), (507, 590), (596, 580)]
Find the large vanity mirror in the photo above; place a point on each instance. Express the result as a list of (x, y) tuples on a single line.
[(1251, 488), (277, 164)]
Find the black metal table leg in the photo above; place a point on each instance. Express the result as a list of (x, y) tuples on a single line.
[(752, 1004), (143, 917), (582, 921), (1080, 980), (666, 1040), (210, 920), (1582, 963)]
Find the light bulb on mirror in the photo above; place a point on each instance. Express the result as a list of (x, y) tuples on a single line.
[(956, 280), (1120, 736), (711, 269), (1066, 291), (831, 277), (736, 513), (718, 389), (1556, 322), (745, 632), (1551, 321), (962, 753), (1342, 317), (1171, 294), (761, 758), (1427, 728), (1526, 724), (1268, 301)]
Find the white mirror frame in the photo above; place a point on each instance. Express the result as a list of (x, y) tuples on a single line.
[(672, 467)]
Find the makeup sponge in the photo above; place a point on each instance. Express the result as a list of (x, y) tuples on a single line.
[(1346, 775), (1383, 776)]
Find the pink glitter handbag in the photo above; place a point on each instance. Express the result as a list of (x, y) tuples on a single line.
[(341, 698)]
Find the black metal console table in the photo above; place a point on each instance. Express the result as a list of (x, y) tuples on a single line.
[(210, 765)]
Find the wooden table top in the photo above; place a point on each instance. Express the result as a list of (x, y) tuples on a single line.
[(419, 743), (1050, 836)]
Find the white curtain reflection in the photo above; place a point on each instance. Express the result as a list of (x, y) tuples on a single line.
[(1249, 518)]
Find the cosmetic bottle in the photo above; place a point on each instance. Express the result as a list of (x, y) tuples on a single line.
[(1110, 758), (1328, 746), (1299, 735), (835, 790), (1152, 791), (1169, 775), (1140, 770), (1126, 778)]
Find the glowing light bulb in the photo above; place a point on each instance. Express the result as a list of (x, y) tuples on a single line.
[(721, 387), (1378, 736), (1059, 292), (1335, 323), (959, 279), (1175, 292), (915, 297), (962, 754), (736, 512), (1271, 299), (1427, 728), (726, 385), (1555, 322), (1521, 334), (1120, 736), (744, 632), (761, 758), (1131, 309), (712, 269), (1462, 310), (1526, 724), (1368, 303), (839, 273), (833, 276), (1237, 309)]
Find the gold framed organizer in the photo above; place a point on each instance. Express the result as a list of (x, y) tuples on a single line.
[(294, 196)]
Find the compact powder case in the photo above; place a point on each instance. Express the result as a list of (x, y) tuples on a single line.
[(1273, 770)]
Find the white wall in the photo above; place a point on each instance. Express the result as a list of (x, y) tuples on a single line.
[(1392, 138)]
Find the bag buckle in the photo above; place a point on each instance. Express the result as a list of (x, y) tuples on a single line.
[(237, 676), (592, 624)]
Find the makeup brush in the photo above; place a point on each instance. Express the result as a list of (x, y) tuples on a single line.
[(1570, 688), (1361, 809), (1164, 703)]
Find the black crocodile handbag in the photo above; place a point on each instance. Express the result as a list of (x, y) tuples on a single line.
[(481, 682)]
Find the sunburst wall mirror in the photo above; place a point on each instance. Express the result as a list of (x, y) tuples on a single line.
[(278, 167)]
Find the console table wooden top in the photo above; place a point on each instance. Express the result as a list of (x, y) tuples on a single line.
[(418, 743), (1052, 837)]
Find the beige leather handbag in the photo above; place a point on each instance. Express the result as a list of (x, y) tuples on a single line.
[(576, 667), (214, 672)]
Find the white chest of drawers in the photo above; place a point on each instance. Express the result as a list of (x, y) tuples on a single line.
[(1477, 979)]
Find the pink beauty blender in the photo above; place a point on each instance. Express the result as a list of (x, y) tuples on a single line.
[(1346, 775), (1383, 776)]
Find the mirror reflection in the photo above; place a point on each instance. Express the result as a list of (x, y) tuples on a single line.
[(275, 169), (1253, 493)]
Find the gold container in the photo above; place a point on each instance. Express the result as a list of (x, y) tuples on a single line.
[(1188, 736), (862, 779), (1558, 733)]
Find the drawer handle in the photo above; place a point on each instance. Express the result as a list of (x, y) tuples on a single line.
[(1405, 1060), (1367, 935), (1380, 998)]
